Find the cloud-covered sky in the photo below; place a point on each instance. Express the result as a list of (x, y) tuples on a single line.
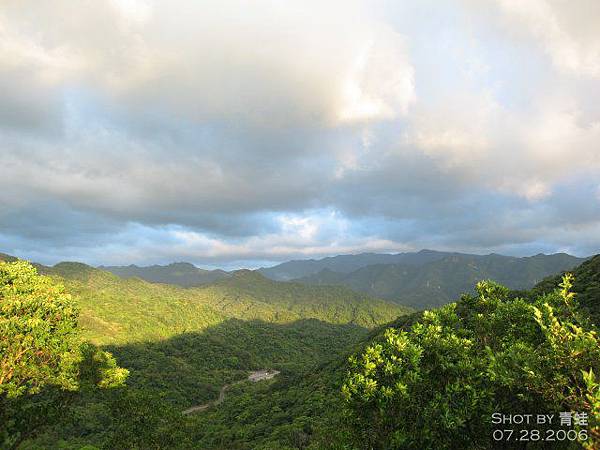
[(233, 133)]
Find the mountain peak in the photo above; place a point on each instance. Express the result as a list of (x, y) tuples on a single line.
[(182, 273), (248, 274), (181, 265)]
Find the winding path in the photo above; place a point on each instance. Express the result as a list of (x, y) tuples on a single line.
[(255, 376)]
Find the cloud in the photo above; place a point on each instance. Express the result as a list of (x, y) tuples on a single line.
[(568, 34), (135, 130), (270, 65), (319, 234), (380, 84)]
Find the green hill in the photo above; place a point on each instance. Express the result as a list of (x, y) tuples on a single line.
[(304, 411), (117, 310), (438, 282), (182, 345)]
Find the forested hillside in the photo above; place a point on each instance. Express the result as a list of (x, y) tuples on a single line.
[(347, 373), (182, 345), (116, 310), (438, 282), (448, 402), (421, 280), (448, 372), (444, 373)]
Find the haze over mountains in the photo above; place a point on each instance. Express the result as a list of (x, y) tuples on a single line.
[(418, 279)]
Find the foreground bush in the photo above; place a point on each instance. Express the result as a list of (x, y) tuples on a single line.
[(437, 384)]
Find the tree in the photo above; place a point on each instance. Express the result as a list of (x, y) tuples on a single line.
[(436, 384), (41, 355), (38, 339)]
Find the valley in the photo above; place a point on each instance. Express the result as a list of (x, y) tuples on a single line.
[(255, 377), (299, 225), (243, 361)]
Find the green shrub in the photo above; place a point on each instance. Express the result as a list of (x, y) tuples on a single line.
[(437, 384)]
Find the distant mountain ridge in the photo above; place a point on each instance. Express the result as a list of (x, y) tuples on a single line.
[(420, 280), (429, 279), (180, 273), (296, 269)]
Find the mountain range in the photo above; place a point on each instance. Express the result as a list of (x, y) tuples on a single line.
[(188, 342), (423, 283), (348, 263), (421, 279), (182, 345)]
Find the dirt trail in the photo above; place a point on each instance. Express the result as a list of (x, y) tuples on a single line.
[(255, 376)]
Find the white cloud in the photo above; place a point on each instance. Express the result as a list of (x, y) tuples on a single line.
[(533, 190), (265, 63), (380, 82), (455, 134), (568, 31), (134, 10), (475, 138)]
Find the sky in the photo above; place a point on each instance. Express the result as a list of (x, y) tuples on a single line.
[(231, 133)]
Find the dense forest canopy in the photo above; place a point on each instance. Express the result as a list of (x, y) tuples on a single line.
[(182, 345), (116, 310), (355, 372)]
